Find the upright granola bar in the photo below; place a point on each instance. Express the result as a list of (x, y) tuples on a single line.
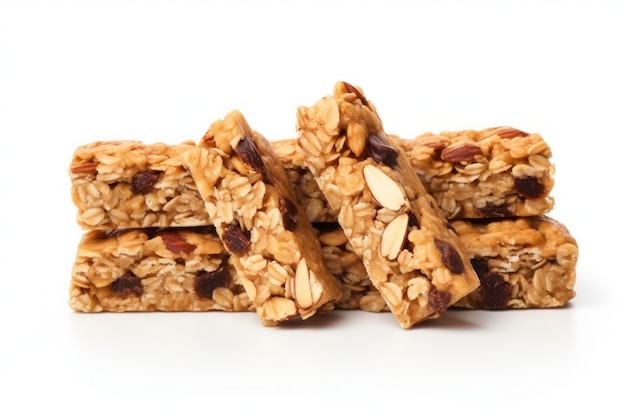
[(253, 207), (128, 184), (153, 269), (416, 262)]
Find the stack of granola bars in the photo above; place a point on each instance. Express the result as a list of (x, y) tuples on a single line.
[(345, 216)]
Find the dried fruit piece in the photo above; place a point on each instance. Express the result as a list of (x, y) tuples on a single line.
[(494, 211), (382, 152), (352, 89), (206, 282), (127, 285), (236, 240), (463, 153), (247, 151), (393, 236), (529, 187), (87, 168), (506, 132), (439, 300), (450, 256), (289, 211), (142, 182), (495, 290), (385, 190), (304, 297), (175, 243)]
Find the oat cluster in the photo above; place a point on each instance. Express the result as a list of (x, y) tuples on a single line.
[(343, 216)]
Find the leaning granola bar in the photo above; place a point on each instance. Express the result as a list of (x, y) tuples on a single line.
[(416, 262), (128, 184), (253, 206), (527, 262), (153, 269)]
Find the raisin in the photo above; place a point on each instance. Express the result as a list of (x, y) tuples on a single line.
[(236, 240), (127, 285), (439, 300), (495, 290), (289, 210), (206, 282), (529, 187), (142, 182), (493, 211), (382, 152), (450, 257), (247, 151), (480, 266)]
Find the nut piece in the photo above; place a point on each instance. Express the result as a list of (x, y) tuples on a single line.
[(450, 257), (246, 150), (352, 89), (382, 152), (304, 297), (463, 153), (289, 211), (385, 190), (356, 136), (235, 240), (86, 168), (206, 282), (175, 243), (506, 132), (393, 236)]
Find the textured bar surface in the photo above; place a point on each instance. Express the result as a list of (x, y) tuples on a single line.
[(253, 206), (413, 259), (154, 270), (528, 262), (128, 184), (496, 172)]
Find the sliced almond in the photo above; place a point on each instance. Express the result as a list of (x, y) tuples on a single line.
[(304, 298), (393, 237), (356, 137), (385, 190)]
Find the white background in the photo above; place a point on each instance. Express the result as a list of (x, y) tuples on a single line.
[(74, 72)]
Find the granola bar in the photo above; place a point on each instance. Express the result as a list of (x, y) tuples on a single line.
[(527, 262), (153, 269), (128, 184), (253, 206), (414, 260), (496, 172), (472, 174)]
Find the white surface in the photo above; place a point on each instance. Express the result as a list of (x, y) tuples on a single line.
[(77, 72)]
